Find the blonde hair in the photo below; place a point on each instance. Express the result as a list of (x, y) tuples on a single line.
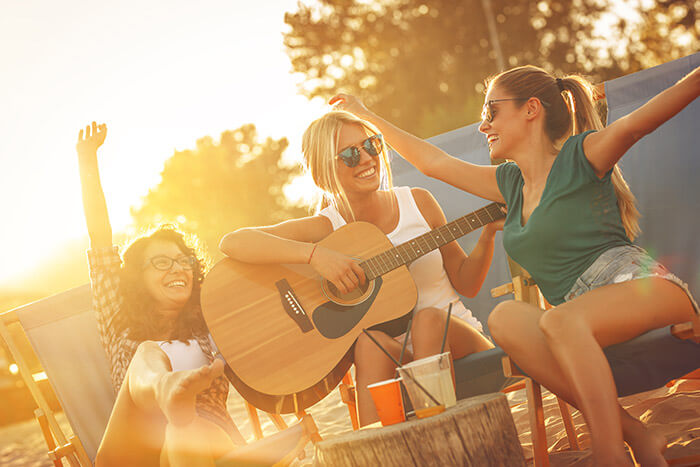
[(570, 110), (320, 147)]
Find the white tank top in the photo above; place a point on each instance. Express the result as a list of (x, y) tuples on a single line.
[(186, 356), (428, 271)]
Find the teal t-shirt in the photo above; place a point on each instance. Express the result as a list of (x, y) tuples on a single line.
[(576, 220)]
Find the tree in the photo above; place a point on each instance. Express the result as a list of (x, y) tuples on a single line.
[(217, 188), (421, 63), (656, 32)]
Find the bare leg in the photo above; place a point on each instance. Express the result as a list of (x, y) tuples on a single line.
[(462, 339), (371, 366), (515, 326), (563, 352), (154, 400), (428, 329), (122, 444), (195, 444)]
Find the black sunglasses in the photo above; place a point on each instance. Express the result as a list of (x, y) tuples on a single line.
[(372, 145), (164, 263), (488, 113)]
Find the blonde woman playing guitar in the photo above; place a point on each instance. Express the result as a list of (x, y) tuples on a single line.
[(347, 160)]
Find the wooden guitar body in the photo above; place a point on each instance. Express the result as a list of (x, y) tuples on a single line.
[(286, 336)]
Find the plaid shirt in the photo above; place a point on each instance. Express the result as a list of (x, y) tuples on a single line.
[(104, 264)]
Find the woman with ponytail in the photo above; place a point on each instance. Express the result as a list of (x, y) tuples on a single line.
[(571, 222)]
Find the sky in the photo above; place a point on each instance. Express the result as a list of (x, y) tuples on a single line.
[(160, 74)]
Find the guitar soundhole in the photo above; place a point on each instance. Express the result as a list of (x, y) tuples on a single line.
[(353, 297)]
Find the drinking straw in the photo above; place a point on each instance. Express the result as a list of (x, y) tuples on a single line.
[(447, 325), (405, 341), (420, 386)]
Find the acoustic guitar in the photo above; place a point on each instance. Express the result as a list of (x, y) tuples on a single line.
[(286, 333)]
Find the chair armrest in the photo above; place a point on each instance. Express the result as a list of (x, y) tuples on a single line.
[(502, 290), (687, 331), (509, 368)]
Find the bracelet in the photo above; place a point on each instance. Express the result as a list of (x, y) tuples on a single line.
[(312, 253)]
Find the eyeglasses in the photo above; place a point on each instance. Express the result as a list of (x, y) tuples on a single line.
[(488, 113), (372, 145), (164, 263)]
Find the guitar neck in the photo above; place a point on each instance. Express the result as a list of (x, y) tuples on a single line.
[(413, 249)]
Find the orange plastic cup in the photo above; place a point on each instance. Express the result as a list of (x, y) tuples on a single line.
[(387, 400)]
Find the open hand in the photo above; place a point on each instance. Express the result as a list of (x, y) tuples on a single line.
[(91, 139), (341, 270), (349, 103)]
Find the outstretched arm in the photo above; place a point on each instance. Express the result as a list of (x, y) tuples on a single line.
[(466, 273), (94, 205), (604, 148), (479, 180)]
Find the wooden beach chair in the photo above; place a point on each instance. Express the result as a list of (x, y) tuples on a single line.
[(62, 331)]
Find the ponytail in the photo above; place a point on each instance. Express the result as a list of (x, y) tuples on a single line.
[(580, 96)]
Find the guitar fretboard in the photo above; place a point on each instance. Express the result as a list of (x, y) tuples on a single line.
[(424, 244)]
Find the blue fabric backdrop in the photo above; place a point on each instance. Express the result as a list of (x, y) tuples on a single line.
[(662, 170)]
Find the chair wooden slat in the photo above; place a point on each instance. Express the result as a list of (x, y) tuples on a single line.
[(26, 374), (46, 431)]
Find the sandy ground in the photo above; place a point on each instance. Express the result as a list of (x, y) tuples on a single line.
[(673, 411)]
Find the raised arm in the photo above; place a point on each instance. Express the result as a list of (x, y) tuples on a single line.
[(94, 205), (604, 148), (294, 242), (479, 180), (466, 273)]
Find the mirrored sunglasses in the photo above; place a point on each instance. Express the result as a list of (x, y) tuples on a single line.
[(372, 146)]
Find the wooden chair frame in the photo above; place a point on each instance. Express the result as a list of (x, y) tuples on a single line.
[(279, 422)]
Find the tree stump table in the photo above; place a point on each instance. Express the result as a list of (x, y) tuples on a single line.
[(478, 431)]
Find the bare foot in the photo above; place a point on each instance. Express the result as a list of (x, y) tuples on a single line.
[(612, 459), (648, 447), (176, 392)]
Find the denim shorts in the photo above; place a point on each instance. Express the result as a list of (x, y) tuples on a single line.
[(622, 264)]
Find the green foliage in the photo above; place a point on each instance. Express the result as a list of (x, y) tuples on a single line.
[(216, 188), (421, 63), (661, 31)]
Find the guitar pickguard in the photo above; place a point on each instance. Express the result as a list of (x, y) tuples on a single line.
[(333, 320)]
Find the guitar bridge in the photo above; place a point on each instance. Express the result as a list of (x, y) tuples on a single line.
[(291, 305)]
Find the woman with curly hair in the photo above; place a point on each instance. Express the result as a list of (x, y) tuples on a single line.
[(171, 395), (571, 222)]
